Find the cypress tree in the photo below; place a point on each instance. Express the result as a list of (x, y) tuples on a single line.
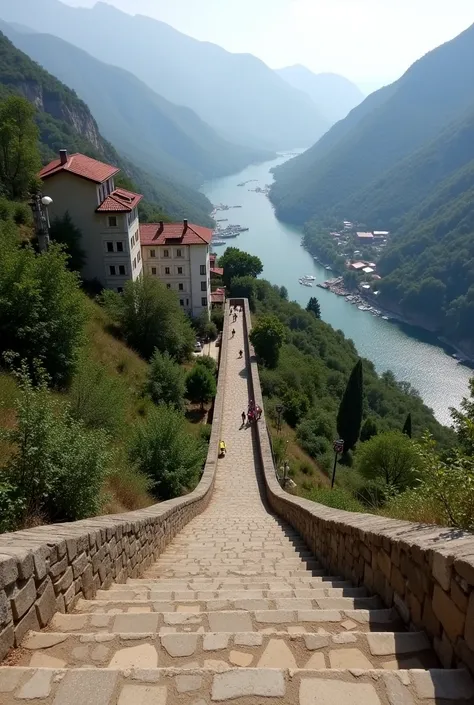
[(349, 417), (407, 426)]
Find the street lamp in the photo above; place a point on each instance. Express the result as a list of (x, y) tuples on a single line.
[(39, 206)]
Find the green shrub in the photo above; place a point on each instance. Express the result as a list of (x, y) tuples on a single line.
[(205, 432), (207, 361), (166, 381), (42, 310), (98, 399), (306, 468), (200, 385), (163, 449), (338, 498), (57, 466), (217, 317), (130, 486)]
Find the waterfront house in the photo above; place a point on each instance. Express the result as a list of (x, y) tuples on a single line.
[(106, 216)]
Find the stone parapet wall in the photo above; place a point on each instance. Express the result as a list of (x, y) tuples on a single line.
[(426, 572), (46, 569)]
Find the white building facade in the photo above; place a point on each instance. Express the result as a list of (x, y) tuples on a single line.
[(106, 216), (178, 255)]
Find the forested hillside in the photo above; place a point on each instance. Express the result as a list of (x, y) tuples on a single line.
[(165, 139), (65, 122), (386, 128)]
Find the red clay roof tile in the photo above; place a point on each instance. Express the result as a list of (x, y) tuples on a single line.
[(80, 165), (177, 233), (120, 201)]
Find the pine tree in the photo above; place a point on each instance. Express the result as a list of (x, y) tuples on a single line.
[(407, 426), (349, 417), (314, 307)]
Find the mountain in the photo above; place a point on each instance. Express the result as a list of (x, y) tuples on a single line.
[(388, 126), (237, 94), (65, 121), (172, 140), (334, 95)]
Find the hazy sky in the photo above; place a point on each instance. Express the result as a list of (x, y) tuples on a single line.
[(371, 42)]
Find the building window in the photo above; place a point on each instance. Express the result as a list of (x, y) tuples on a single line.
[(187, 302), (152, 253), (179, 253), (167, 270), (110, 247), (153, 271), (181, 287), (166, 253), (139, 256), (204, 286), (181, 302), (122, 270), (135, 263), (112, 270), (203, 270), (168, 286), (204, 301), (112, 221), (119, 289), (180, 270), (119, 246)]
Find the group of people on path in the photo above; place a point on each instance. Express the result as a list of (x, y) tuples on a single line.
[(254, 413)]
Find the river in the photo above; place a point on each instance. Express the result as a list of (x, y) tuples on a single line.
[(410, 353)]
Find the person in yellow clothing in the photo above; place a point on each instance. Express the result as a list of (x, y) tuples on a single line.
[(222, 449)]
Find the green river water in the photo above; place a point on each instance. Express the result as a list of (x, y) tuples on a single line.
[(410, 353)]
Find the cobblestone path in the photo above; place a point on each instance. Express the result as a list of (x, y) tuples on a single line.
[(236, 609)]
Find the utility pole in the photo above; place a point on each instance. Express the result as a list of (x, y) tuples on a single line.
[(39, 206)]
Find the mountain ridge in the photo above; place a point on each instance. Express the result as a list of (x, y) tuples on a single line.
[(388, 126), (237, 94), (174, 137), (333, 94)]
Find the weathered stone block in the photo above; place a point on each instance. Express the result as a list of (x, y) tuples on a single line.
[(8, 570), (23, 599), (29, 621), (469, 628), (458, 596), (64, 582), (6, 641), (57, 569), (450, 616), (79, 564), (442, 569), (46, 604)]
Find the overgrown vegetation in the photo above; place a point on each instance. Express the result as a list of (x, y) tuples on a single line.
[(79, 425)]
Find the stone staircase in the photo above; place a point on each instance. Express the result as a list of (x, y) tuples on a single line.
[(235, 609)]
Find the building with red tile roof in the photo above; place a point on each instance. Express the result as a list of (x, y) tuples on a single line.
[(178, 254), (107, 217)]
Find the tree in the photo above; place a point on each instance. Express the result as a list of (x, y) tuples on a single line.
[(64, 232), (237, 263), (349, 417), (98, 399), (369, 429), (165, 451), (19, 153), (463, 421), (244, 288), (314, 307), (200, 385), (390, 458), (267, 337), (165, 383), (151, 318), (42, 310), (209, 362), (407, 430)]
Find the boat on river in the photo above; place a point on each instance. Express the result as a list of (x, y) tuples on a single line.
[(218, 242), (309, 278), (305, 282)]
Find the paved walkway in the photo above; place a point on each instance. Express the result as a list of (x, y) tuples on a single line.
[(236, 609)]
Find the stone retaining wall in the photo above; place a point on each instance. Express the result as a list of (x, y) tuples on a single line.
[(426, 572), (46, 569)]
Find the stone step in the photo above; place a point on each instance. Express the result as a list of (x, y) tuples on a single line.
[(231, 571), (154, 593), (262, 582), (122, 601), (141, 619), (384, 650), (223, 561), (93, 686)]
